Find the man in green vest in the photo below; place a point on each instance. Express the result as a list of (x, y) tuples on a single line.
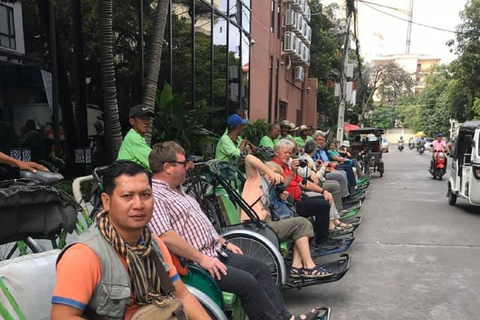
[(303, 136), (231, 145), (271, 137), (134, 147)]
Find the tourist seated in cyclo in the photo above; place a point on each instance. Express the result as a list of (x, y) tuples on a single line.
[(346, 158), (322, 155), (118, 269), (274, 209), (306, 206), (188, 233), (317, 176)]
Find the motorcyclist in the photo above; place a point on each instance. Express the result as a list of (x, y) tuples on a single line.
[(438, 146), (410, 143), (400, 143)]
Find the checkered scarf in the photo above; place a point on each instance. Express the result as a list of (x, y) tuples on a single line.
[(145, 282)]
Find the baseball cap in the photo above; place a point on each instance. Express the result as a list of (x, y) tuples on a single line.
[(439, 134), (140, 110), (235, 120)]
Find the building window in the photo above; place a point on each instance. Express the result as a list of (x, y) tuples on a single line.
[(272, 16), (279, 21), (7, 28), (283, 110)]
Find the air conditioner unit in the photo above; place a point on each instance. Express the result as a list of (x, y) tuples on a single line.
[(305, 11), (288, 1), (309, 35), (308, 14), (298, 26), (298, 73), (290, 19), (296, 55), (302, 6), (306, 57), (289, 42), (296, 4)]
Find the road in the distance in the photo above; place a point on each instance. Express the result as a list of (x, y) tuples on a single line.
[(415, 257)]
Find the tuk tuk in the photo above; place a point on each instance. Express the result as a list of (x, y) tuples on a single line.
[(366, 146), (464, 181)]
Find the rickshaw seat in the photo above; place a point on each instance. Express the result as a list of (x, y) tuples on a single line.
[(40, 212), (30, 281)]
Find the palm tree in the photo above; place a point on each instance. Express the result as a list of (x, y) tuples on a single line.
[(154, 57), (112, 123)]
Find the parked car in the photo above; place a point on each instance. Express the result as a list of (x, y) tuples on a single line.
[(385, 145)]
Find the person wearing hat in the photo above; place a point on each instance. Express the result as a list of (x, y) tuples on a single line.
[(303, 136), (271, 137), (134, 147), (231, 145), (285, 128)]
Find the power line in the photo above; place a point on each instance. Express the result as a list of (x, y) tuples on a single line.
[(416, 23)]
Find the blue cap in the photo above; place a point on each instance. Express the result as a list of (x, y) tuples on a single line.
[(439, 134), (235, 120)]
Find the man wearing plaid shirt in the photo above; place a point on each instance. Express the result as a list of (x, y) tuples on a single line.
[(187, 232)]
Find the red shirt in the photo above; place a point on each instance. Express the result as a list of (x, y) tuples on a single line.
[(294, 187)]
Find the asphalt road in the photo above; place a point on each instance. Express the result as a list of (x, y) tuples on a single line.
[(415, 257)]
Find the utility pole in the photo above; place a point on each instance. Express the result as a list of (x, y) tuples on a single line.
[(343, 77), (409, 28)]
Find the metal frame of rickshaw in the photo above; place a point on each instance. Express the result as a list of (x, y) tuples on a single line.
[(464, 181), (368, 153)]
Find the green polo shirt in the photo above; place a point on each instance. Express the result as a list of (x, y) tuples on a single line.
[(266, 141), (227, 149), (135, 148), (301, 143)]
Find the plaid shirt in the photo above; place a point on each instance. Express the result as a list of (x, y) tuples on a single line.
[(180, 212)]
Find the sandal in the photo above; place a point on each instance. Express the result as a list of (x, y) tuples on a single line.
[(316, 272), (296, 272), (312, 315)]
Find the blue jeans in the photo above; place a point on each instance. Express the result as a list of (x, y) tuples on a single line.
[(350, 176)]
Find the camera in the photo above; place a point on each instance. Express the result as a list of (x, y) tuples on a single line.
[(279, 188), (303, 163)]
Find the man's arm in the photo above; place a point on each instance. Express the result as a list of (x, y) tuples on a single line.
[(177, 245), (193, 308), (253, 164), (22, 165)]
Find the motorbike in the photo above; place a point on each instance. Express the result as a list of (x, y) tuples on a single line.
[(400, 146), (439, 165), (421, 148), (411, 145)]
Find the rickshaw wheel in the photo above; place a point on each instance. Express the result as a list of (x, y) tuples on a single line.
[(452, 198), (254, 248)]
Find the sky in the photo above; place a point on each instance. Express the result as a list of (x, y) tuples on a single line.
[(380, 33)]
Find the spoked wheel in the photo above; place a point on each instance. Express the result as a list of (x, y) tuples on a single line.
[(255, 248)]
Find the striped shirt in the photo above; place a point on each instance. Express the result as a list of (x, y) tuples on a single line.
[(180, 212)]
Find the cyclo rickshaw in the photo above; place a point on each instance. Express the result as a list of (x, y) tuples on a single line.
[(366, 146), (464, 181)]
